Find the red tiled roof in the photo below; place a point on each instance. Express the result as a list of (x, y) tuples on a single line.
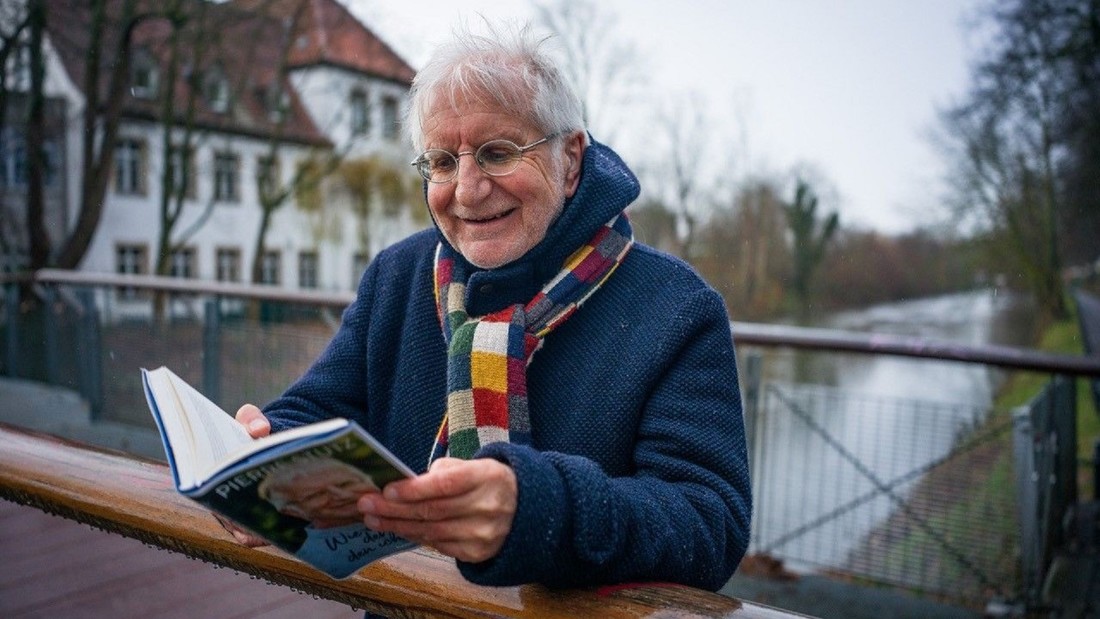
[(246, 44), (327, 33)]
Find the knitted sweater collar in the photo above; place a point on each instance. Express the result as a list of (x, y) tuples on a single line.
[(607, 186)]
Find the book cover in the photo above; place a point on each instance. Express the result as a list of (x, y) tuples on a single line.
[(296, 489)]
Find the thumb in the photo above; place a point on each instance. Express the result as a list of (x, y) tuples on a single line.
[(253, 421)]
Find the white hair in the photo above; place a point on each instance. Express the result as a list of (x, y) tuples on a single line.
[(272, 488), (508, 70)]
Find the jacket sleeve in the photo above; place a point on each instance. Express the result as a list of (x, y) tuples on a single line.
[(683, 516)]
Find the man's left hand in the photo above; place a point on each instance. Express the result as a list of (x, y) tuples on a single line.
[(462, 508)]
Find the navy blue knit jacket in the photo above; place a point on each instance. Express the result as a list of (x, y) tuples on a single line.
[(637, 471)]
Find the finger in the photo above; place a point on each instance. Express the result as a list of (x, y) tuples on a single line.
[(418, 511), (253, 420), (445, 463), (448, 477), (465, 539), (471, 531)]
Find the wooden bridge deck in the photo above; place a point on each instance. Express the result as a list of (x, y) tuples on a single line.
[(53, 567)]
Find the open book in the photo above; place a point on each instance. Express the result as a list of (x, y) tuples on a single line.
[(297, 489)]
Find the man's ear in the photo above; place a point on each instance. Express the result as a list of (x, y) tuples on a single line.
[(574, 154)]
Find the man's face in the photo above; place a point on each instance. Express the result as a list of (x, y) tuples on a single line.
[(327, 497), (493, 220)]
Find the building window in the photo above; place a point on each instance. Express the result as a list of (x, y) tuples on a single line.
[(271, 264), (14, 163), (19, 69), (228, 264), (143, 74), (359, 264), (276, 101), (389, 118), (13, 160), (131, 260), (181, 172), (267, 176), (130, 167), (183, 263), (360, 113), (215, 89), (307, 269), (226, 171)]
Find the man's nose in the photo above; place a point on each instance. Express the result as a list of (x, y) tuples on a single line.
[(471, 182)]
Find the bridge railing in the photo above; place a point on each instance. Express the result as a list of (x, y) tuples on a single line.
[(135, 498), (245, 343)]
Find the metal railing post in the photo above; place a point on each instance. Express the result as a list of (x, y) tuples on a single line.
[(1027, 504), (50, 326), (11, 357), (212, 349), (1064, 425), (90, 353), (751, 375)]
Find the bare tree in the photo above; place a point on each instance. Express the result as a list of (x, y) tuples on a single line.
[(680, 172), (742, 250), (376, 185), (109, 41), (15, 20), (1021, 135), (602, 67), (36, 129)]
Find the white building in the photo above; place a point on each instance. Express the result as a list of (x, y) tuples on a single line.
[(262, 90)]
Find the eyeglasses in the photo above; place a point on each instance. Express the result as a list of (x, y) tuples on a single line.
[(495, 158)]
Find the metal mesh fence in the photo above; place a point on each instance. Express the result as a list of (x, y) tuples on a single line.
[(258, 346), (905, 492), (910, 493)]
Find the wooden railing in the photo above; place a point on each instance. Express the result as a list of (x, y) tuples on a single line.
[(135, 498)]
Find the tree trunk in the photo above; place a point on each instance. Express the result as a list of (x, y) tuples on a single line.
[(96, 163), (39, 241)]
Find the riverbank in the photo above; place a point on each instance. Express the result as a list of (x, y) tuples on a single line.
[(987, 471)]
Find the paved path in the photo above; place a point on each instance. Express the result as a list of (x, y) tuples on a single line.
[(54, 567), (61, 412)]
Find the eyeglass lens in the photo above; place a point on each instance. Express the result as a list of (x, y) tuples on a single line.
[(495, 158)]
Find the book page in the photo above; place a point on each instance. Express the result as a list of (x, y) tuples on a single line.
[(179, 445), (199, 433), (214, 433)]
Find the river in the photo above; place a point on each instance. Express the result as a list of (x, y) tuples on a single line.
[(833, 421), (979, 317)]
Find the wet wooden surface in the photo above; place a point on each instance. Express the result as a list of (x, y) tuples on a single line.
[(135, 499)]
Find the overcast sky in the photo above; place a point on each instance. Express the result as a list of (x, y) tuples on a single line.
[(850, 87)]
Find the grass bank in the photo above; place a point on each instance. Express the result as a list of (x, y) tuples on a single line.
[(984, 482)]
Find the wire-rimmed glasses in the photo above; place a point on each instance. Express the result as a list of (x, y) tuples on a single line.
[(495, 158)]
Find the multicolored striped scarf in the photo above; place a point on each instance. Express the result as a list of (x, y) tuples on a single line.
[(487, 357)]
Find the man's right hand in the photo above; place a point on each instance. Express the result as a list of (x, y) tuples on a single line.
[(253, 420), (257, 425)]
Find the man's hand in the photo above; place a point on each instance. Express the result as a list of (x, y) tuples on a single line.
[(253, 420), (462, 508), (257, 426), (239, 534)]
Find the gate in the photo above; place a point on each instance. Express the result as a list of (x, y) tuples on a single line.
[(913, 494)]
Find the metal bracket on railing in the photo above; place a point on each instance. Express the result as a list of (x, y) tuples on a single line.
[(212, 349)]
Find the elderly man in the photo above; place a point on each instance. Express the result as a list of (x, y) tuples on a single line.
[(571, 395)]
